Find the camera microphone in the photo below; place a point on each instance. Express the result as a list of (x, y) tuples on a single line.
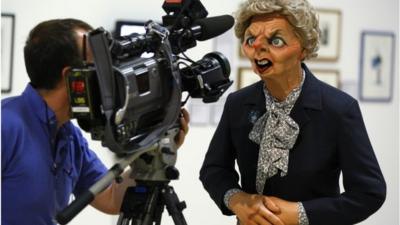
[(202, 29), (211, 27)]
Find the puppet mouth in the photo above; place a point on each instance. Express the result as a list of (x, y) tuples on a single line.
[(263, 64)]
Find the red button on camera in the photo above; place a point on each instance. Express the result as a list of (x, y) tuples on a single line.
[(78, 86)]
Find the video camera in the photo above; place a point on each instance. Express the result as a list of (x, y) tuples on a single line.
[(132, 104), (128, 101)]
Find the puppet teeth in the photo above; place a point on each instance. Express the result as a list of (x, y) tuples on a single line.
[(263, 62)]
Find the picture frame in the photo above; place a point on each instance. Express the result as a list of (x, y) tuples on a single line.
[(330, 25), (246, 77), (376, 66), (329, 76), (7, 51)]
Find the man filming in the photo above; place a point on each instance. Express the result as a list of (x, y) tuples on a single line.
[(45, 158)]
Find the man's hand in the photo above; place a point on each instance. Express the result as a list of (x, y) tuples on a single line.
[(184, 122), (254, 209), (289, 213)]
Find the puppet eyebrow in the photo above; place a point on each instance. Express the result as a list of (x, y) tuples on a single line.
[(273, 33)]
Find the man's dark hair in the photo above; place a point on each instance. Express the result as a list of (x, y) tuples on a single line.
[(51, 46)]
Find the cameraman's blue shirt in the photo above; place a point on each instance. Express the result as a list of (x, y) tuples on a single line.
[(41, 167)]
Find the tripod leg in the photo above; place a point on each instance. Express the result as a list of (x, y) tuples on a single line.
[(122, 219), (173, 205), (133, 206), (152, 207), (158, 212), (144, 204)]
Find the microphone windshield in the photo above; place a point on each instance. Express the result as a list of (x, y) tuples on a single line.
[(213, 26)]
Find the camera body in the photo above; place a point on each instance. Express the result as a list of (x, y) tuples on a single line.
[(128, 101)]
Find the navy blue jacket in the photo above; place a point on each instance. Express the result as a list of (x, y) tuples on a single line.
[(332, 140)]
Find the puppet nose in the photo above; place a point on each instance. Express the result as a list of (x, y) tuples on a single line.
[(259, 44)]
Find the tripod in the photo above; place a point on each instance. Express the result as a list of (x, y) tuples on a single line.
[(144, 204), (152, 168)]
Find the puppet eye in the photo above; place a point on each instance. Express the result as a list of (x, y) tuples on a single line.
[(277, 42), (250, 40)]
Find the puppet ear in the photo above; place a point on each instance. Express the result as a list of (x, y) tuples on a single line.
[(303, 54)]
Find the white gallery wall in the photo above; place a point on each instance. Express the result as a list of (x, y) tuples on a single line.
[(381, 119)]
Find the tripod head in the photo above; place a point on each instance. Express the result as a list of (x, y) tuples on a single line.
[(158, 164), (144, 203)]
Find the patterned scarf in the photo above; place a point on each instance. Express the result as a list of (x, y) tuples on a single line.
[(276, 133)]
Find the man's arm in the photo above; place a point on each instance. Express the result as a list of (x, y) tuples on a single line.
[(110, 200)]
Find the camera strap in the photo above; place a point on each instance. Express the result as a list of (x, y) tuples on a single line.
[(174, 104)]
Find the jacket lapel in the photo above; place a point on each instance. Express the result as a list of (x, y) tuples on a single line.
[(310, 98), (255, 102)]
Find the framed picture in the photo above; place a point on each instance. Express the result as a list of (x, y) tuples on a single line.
[(7, 51), (330, 25), (376, 66), (330, 77), (246, 76), (127, 27), (199, 113)]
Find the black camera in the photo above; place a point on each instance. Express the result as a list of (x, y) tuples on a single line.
[(128, 101)]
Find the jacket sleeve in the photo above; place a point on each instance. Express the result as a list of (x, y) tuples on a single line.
[(218, 173), (364, 185)]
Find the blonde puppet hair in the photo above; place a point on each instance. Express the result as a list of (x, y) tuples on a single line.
[(299, 13)]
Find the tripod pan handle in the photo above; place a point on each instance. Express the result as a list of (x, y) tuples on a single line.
[(75, 207)]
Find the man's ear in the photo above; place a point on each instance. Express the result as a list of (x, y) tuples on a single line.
[(65, 71)]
